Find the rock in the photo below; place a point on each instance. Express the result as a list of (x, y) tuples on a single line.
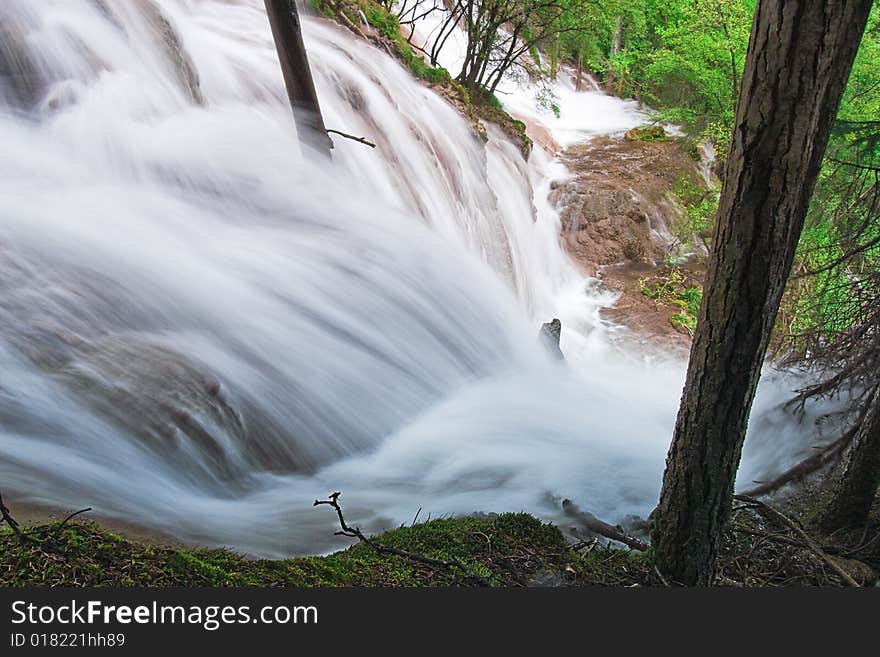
[(549, 336), (646, 133), (619, 205)]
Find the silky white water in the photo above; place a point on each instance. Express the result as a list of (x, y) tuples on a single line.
[(202, 328)]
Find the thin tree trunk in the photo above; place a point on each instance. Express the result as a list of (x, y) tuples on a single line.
[(799, 57), (858, 485), (610, 80), (285, 23)]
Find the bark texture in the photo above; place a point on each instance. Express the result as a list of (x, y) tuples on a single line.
[(799, 58), (285, 23), (857, 488)]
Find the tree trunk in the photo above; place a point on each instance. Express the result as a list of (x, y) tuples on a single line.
[(284, 20), (858, 485), (611, 81), (799, 57)]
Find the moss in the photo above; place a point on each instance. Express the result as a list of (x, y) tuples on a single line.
[(508, 550), (647, 133), (322, 8), (684, 322)]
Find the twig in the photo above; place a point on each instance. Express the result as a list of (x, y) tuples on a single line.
[(660, 575), (354, 532), (12, 522), (807, 466), (362, 140), (29, 536), (56, 531), (770, 512)]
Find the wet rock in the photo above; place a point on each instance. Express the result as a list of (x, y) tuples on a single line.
[(21, 82), (174, 51), (549, 335), (618, 206)]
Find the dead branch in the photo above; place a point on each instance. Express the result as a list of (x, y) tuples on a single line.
[(341, 15), (9, 520), (806, 467), (29, 536), (591, 522), (58, 529), (354, 532), (772, 514), (361, 140)]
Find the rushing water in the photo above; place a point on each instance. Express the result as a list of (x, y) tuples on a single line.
[(202, 329)]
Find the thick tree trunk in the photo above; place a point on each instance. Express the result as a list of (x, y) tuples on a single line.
[(799, 57), (858, 485), (284, 20)]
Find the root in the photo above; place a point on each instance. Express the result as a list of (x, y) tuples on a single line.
[(804, 539)]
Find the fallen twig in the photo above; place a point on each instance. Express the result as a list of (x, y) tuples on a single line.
[(354, 532), (771, 513)]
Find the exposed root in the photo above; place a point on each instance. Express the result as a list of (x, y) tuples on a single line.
[(802, 538)]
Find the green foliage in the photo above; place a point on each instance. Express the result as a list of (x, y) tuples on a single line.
[(672, 287), (547, 100), (682, 57), (699, 206), (323, 8), (839, 249)]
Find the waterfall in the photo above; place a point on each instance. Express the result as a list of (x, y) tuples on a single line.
[(203, 327)]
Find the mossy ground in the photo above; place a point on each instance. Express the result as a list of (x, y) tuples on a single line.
[(507, 550)]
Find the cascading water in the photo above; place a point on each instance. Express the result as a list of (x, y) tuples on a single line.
[(202, 329)]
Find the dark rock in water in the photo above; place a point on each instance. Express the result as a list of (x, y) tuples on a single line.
[(21, 82), (549, 336), (174, 51)]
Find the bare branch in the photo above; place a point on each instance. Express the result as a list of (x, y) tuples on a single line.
[(354, 532), (361, 140)]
